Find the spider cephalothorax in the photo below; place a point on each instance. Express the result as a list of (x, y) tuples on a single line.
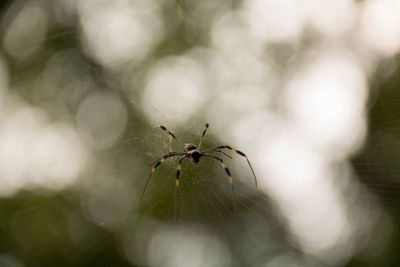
[(190, 151), (188, 147)]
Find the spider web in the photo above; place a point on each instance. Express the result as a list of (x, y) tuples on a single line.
[(205, 191)]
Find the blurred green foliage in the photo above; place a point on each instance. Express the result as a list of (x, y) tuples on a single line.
[(36, 225)]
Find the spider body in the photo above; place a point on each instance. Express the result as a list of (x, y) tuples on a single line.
[(190, 151)]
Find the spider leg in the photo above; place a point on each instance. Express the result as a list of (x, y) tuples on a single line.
[(220, 151), (167, 155), (203, 134), (156, 164), (216, 148), (171, 135), (177, 183), (227, 171)]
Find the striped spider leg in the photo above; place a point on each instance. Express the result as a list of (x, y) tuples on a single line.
[(218, 148), (170, 133), (157, 164)]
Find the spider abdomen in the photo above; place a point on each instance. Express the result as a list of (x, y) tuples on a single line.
[(195, 155)]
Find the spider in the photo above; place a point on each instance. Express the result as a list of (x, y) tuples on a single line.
[(190, 151)]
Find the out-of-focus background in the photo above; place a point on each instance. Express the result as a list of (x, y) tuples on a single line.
[(309, 90)]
